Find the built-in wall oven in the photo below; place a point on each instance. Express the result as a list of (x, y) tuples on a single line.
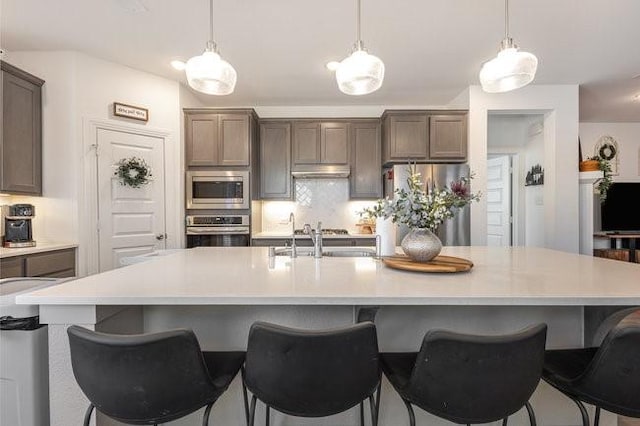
[(218, 230), (217, 189)]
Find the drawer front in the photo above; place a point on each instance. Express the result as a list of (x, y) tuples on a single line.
[(50, 263), (11, 267)]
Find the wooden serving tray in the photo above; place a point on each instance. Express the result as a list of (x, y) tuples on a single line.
[(438, 264)]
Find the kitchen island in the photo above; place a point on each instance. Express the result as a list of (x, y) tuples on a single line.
[(219, 292)]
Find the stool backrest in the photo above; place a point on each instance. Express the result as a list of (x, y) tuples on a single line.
[(477, 379), (312, 373), (141, 379), (612, 378)]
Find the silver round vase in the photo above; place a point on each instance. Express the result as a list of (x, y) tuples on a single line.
[(421, 245)]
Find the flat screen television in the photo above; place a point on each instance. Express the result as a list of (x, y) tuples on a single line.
[(619, 212)]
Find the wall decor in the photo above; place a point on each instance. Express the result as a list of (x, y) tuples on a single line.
[(130, 111), (133, 172), (607, 148), (535, 176)]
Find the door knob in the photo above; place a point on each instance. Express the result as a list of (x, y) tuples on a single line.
[(160, 237)]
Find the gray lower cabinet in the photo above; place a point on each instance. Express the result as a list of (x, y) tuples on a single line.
[(21, 135), (365, 181), (54, 264), (218, 138), (306, 242), (275, 161)]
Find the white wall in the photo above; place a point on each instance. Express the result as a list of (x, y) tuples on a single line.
[(80, 88), (559, 104), (534, 194), (628, 137)]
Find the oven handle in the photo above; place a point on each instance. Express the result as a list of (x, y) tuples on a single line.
[(221, 230)]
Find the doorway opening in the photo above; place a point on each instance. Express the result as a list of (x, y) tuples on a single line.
[(515, 179)]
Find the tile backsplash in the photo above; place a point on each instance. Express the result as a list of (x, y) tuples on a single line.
[(324, 200)]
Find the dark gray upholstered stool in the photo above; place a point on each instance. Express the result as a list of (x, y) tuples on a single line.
[(147, 379), (469, 379), (607, 376), (316, 373)]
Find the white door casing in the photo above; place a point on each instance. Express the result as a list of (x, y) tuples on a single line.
[(499, 201), (131, 221)]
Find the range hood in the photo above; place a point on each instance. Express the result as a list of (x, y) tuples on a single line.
[(320, 171)]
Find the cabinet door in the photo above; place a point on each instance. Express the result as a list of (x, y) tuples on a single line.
[(59, 263), (275, 161), (11, 267), (334, 143), (408, 137), (306, 143), (233, 138), (366, 165), (201, 139), (448, 137), (21, 140)]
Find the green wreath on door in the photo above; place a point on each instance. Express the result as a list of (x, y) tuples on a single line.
[(133, 172)]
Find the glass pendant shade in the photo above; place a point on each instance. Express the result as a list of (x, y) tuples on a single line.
[(360, 73), (510, 70), (209, 73)]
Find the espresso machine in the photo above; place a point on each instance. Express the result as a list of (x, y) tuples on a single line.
[(17, 230)]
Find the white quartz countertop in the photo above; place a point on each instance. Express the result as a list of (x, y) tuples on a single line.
[(267, 235), (39, 248), (247, 276)]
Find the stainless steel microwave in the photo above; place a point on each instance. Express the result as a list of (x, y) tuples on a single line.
[(217, 189)]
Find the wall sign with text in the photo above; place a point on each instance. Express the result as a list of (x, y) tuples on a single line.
[(130, 111)]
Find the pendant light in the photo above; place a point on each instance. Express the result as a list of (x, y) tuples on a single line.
[(209, 73), (359, 73), (511, 69)]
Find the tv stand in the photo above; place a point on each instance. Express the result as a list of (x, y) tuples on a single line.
[(624, 245)]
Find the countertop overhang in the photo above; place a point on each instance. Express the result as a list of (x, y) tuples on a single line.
[(247, 276)]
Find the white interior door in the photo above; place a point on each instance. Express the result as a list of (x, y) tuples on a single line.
[(498, 201), (131, 221)]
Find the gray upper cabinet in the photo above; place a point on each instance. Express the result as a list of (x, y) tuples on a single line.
[(306, 143), (406, 137), (365, 181), (448, 137), (425, 136), (320, 143), (215, 138), (275, 161), (21, 136), (334, 143)]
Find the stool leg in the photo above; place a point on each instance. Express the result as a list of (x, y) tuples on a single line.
[(532, 415), (412, 416), (268, 416), (362, 413), (252, 411), (583, 411), (378, 402), (504, 421), (87, 414), (596, 422), (372, 406), (205, 417), (244, 396)]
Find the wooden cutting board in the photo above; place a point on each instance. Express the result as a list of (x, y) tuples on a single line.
[(438, 264)]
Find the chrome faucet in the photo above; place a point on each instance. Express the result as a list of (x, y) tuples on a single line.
[(316, 238), (292, 219)]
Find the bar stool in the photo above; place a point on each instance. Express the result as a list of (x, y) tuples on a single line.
[(308, 373), (152, 378), (469, 379), (607, 376)]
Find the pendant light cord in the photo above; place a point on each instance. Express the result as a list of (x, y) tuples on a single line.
[(358, 37), (211, 20), (506, 19)]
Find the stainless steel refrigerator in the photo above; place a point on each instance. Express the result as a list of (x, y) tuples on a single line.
[(453, 232)]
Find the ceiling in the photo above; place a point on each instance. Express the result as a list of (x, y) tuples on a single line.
[(432, 49)]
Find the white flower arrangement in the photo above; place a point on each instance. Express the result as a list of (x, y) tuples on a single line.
[(419, 209)]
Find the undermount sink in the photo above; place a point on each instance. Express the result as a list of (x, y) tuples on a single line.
[(328, 252)]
